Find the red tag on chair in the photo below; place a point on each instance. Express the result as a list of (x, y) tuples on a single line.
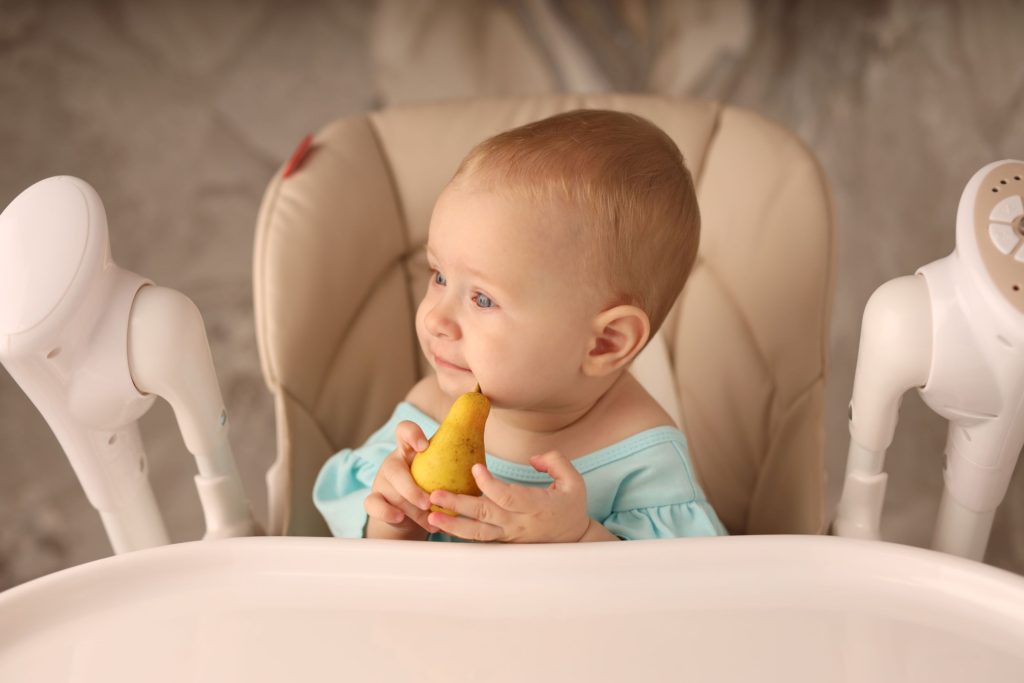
[(299, 155)]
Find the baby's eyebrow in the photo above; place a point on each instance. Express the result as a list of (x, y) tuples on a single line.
[(484, 280)]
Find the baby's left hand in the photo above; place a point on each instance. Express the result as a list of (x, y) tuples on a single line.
[(519, 514)]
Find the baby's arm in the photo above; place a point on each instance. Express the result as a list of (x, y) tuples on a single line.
[(520, 514)]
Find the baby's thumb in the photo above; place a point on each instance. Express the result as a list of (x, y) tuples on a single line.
[(410, 436), (557, 466)]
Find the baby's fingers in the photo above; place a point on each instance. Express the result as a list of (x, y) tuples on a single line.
[(395, 511), (379, 508), (410, 438), (399, 478)]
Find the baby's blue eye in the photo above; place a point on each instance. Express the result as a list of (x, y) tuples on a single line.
[(439, 278), (483, 301)]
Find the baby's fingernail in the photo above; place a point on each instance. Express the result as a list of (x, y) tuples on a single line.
[(422, 444)]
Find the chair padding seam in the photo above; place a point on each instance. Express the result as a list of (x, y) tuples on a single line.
[(306, 409), (382, 150), (747, 328), (409, 248), (266, 219), (378, 283), (698, 173), (784, 416)]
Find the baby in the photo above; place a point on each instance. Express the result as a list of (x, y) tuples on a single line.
[(555, 253)]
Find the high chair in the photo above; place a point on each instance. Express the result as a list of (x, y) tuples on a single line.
[(740, 362)]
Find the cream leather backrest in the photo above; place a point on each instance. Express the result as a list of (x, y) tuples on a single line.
[(339, 270)]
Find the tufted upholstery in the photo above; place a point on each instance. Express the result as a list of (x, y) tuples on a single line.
[(339, 268)]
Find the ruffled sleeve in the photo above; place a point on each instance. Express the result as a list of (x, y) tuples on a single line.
[(341, 487), (346, 478), (694, 518)]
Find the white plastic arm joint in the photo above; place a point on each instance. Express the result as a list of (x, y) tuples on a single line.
[(894, 356), (169, 355)]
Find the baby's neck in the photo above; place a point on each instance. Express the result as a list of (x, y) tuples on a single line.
[(517, 434)]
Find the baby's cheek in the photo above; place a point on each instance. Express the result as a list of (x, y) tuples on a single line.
[(502, 377), (421, 337), (421, 328)]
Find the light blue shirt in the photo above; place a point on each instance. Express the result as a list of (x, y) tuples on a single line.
[(640, 487)]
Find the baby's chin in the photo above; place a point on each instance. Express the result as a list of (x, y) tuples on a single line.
[(453, 387)]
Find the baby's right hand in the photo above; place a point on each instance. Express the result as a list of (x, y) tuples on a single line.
[(397, 506)]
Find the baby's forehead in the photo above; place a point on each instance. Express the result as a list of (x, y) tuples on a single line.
[(523, 217), (510, 263), (506, 222)]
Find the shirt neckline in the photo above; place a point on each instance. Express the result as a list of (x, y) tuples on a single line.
[(583, 464)]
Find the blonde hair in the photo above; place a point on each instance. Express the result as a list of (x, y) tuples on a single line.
[(628, 184)]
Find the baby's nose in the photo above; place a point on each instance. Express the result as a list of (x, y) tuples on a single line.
[(440, 323)]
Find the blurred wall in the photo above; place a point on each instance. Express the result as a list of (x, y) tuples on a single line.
[(178, 113)]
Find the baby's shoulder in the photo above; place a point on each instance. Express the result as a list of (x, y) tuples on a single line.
[(626, 412)]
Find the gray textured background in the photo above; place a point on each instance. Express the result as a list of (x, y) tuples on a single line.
[(178, 113)]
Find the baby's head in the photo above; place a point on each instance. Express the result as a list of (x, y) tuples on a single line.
[(556, 251)]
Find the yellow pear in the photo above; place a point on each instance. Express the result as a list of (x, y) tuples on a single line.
[(454, 448)]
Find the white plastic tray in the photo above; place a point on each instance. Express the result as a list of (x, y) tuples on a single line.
[(768, 608)]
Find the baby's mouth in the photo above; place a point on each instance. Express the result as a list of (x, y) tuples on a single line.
[(442, 363)]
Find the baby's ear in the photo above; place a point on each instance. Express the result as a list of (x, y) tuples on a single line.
[(619, 334)]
